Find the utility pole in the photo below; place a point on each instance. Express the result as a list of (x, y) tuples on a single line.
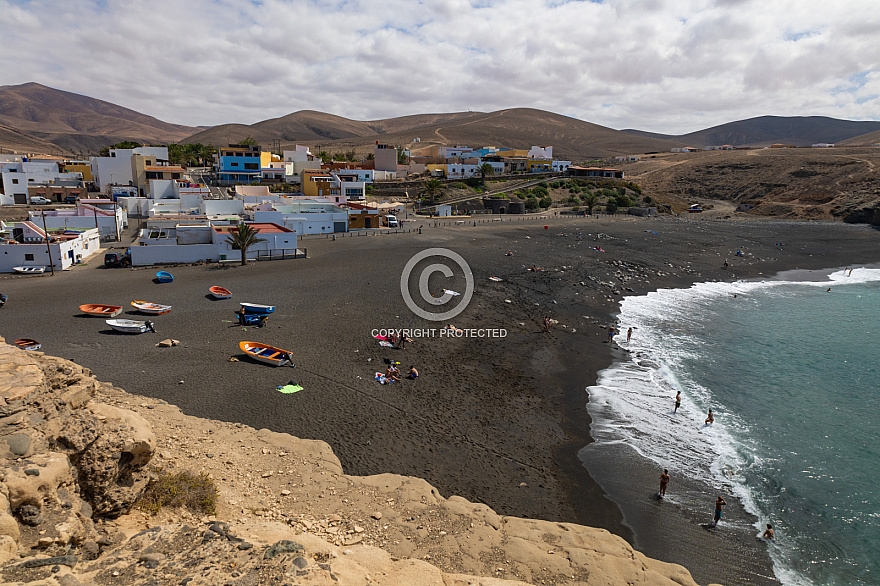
[(48, 248)]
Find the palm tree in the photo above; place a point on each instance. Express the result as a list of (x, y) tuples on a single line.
[(590, 201), (243, 238), (432, 186), (485, 169)]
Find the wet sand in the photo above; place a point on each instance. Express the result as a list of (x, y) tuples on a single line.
[(496, 420)]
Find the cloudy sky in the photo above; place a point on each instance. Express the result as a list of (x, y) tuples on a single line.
[(670, 66)]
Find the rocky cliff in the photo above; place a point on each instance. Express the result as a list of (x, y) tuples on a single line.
[(77, 454)]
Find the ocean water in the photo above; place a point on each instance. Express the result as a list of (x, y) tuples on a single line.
[(790, 371)]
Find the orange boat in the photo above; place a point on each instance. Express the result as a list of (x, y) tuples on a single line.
[(98, 310), (28, 344), (267, 354), (220, 292)]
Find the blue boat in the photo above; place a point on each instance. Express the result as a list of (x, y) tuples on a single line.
[(252, 319), (254, 308), (164, 277)]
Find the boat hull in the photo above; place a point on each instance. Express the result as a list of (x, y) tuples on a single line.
[(128, 326), (220, 293), (28, 344), (29, 270), (164, 277), (254, 308), (266, 354), (151, 308), (97, 310)]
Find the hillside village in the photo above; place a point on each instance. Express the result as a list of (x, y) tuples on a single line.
[(186, 215)]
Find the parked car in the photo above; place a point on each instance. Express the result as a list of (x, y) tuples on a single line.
[(40, 200), (392, 221), (695, 209), (118, 259), (71, 199)]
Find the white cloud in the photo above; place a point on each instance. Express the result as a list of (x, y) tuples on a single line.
[(661, 65)]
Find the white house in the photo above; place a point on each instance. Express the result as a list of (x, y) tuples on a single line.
[(19, 175), (300, 154), (104, 215), (541, 152), (304, 217), (24, 244), (187, 243)]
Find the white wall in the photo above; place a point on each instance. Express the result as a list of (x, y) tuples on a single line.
[(158, 254), (222, 207), (64, 254), (162, 189), (539, 152), (107, 169)]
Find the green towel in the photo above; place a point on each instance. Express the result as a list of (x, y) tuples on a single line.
[(289, 388)]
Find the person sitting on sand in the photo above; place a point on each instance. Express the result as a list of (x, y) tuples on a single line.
[(391, 373), (769, 534), (547, 323), (509, 253), (710, 419), (413, 373)]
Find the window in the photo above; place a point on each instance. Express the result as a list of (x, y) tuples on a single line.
[(252, 166), (233, 164), (175, 175), (15, 181), (29, 257)]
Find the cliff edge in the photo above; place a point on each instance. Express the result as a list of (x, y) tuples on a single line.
[(76, 456)]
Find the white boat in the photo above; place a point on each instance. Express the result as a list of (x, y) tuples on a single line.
[(130, 326), (151, 308), (29, 270), (256, 308)]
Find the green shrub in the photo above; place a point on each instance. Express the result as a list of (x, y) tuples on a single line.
[(546, 202), (611, 207), (622, 201), (647, 199), (532, 203), (184, 489), (574, 199), (458, 185), (576, 208)]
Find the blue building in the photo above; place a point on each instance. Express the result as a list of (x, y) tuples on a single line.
[(239, 163)]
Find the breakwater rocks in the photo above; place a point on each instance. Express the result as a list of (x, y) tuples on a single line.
[(76, 454)]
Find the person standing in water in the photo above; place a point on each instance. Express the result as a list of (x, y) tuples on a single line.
[(719, 503), (677, 401), (664, 480), (629, 334), (710, 419)]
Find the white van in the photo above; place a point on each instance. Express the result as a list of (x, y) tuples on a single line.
[(392, 221)]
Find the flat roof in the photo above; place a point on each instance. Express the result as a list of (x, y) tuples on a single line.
[(263, 227)]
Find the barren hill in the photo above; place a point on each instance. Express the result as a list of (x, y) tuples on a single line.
[(15, 139), (767, 130), (75, 122), (871, 138), (515, 128), (838, 183)]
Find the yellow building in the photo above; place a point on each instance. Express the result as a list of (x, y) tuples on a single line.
[(319, 183), (83, 167)]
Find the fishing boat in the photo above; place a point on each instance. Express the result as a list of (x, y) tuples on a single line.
[(151, 308), (29, 270), (101, 310), (258, 309), (28, 344), (220, 292), (164, 277), (267, 354), (252, 319), (129, 326)]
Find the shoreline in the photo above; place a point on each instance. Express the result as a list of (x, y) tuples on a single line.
[(498, 422)]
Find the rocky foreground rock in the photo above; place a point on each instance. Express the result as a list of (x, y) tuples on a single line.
[(77, 454)]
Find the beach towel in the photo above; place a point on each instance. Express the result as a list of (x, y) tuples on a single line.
[(494, 278), (451, 292), (386, 344), (382, 337), (382, 379), (289, 388)]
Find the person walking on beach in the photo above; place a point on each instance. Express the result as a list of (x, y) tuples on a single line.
[(611, 333), (629, 334), (547, 324), (719, 503), (726, 264), (710, 419), (664, 480), (677, 401)]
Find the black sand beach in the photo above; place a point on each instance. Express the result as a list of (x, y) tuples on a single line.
[(496, 420)]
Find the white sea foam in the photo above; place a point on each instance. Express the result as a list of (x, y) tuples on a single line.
[(633, 401)]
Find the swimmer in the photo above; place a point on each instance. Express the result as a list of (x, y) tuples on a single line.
[(769, 534)]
